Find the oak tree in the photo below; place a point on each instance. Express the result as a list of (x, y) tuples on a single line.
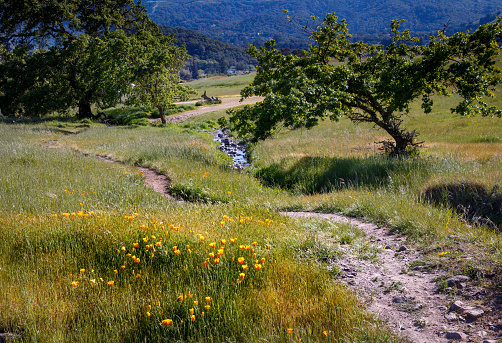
[(369, 83), (63, 54)]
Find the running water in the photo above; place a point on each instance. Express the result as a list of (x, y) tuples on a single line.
[(232, 148)]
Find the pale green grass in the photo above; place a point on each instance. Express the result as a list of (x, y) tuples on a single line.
[(221, 86)]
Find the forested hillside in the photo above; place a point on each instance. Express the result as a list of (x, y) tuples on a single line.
[(254, 21), (209, 55)]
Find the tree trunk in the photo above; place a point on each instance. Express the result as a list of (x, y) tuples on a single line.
[(84, 106), (403, 140), (162, 115), (84, 110)]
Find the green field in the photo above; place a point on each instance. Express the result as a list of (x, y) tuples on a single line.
[(90, 254), (221, 86)]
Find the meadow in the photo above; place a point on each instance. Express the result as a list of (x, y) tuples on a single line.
[(91, 254)]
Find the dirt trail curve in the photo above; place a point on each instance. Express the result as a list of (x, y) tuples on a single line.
[(226, 104), (409, 300)]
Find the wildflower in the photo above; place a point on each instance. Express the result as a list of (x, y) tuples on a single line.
[(82, 271), (189, 295), (201, 238), (122, 267), (257, 266), (196, 303), (202, 314), (222, 223), (191, 310), (223, 241), (180, 297), (240, 260), (289, 330), (167, 322), (216, 260), (115, 271), (220, 252), (229, 193), (93, 281), (148, 314), (177, 252), (208, 299), (233, 240), (242, 275), (137, 260), (212, 245), (326, 332), (175, 248), (111, 283), (205, 263), (149, 307), (207, 307), (192, 318), (211, 254), (238, 281), (65, 215), (244, 267), (255, 243), (441, 253), (74, 283), (138, 276), (136, 245), (263, 260), (123, 248)]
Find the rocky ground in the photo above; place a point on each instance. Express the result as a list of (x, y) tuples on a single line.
[(407, 296)]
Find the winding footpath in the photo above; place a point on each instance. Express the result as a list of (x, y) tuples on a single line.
[(390, 287)]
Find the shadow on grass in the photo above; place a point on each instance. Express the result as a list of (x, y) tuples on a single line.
[(476, 203), (311, 175)]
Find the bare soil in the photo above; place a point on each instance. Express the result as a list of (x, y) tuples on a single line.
[(408, 298), (226, 104)]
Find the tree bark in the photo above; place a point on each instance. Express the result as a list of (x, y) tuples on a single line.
[(84, 110), (162, 115)]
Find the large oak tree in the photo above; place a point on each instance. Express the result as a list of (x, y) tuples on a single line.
[(63, 54), (369, 83)]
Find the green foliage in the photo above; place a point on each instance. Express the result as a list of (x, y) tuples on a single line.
[(59, 56), (369, 83), (156, 72), (206, 52)]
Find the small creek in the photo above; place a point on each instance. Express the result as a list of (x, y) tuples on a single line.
[(232, 148)]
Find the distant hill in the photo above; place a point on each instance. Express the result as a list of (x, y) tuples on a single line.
[(209, 55), (247, 22)]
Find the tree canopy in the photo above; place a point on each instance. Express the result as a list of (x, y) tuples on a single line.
[(57, 55), (369, 83)]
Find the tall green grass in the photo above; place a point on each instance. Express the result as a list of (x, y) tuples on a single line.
[(91, 254)]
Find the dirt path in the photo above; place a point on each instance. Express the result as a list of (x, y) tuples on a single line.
[(155, 180), (408, 299), (226, 104)]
